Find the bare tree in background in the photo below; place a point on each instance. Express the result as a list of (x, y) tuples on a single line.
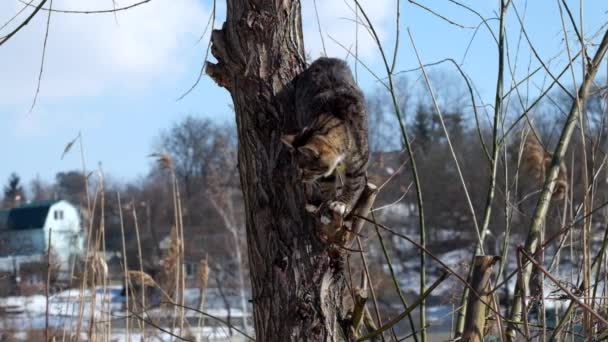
[(71, 186), (205, 162), (40, 190)]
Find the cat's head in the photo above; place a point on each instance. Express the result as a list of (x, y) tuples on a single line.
[(314, 157)]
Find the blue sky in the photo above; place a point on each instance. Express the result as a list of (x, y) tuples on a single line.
[(116, 78)]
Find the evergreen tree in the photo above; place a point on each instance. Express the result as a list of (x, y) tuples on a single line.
[(13, 192), (422, 127)]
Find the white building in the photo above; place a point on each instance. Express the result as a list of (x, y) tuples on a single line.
[(25, 232)]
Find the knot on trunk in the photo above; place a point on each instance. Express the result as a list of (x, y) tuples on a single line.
[(220, 72)]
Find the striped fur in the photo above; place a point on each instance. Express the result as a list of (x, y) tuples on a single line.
[(331, 108)]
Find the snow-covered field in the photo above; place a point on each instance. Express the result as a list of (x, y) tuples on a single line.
[(22, 313), (65, 308)]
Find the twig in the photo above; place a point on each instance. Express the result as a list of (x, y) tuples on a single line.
[(443, 264), (595, 265), (46, 37), (125, 262), (449, 140), (319, 27), (498, 107), (444, 18), (369, 281), (141, 266), (370, 325), (47, 285), (212, 317), (203, 67), (472, 96), (23, 24), (402, 315), (407, 190), (397, 31), (359, 61), (393, 275), (538, 99), (113, 10), (359, 298), (410, 152), (564, 229), (15, 16), (523, 299), (158, 327), (586, 205), (398, 171), (574, 298), (537, 56), (545, 197), (484, 20), (466, 51)]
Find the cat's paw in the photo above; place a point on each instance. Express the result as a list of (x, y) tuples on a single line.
[(338, 207), (311, 208)]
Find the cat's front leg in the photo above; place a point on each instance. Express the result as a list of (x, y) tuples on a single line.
[(338, 207), (351, 191)]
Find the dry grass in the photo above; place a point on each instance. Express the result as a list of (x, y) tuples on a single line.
[(536, 162), (141, 278)]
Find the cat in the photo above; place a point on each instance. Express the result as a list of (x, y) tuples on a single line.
[(536, 162), (331, 152)]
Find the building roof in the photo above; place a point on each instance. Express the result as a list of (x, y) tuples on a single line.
[(36, 204), (28, 216)]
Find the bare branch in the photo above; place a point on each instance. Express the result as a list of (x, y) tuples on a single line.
[(46, 38), (23, 24), (107, 11), (444, 18)]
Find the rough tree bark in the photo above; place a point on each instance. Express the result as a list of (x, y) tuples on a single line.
[(297, 280), (475, 322)]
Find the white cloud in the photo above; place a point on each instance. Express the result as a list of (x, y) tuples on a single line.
[(88, 55), (337, 18), (96, 55)]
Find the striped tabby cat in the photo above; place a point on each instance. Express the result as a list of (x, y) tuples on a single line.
[(331, 151)]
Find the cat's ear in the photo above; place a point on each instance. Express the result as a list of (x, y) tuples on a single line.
[(309, 150), (288, 140)]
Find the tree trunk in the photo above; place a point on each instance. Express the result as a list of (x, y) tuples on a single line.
[(297, 281)]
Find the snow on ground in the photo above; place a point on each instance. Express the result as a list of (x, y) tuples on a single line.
[(7, 263), (120, 335), (396, 210), (65, 308)]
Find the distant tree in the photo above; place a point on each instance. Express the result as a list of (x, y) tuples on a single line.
[(449, 90), (71, 186), (13, 192), (422, 127), (192, 145), (40, 190), (383, 133)]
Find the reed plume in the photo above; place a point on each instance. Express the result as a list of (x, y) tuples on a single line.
[(536, 162)]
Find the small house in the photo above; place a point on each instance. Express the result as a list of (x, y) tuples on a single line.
[(28, 232)]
